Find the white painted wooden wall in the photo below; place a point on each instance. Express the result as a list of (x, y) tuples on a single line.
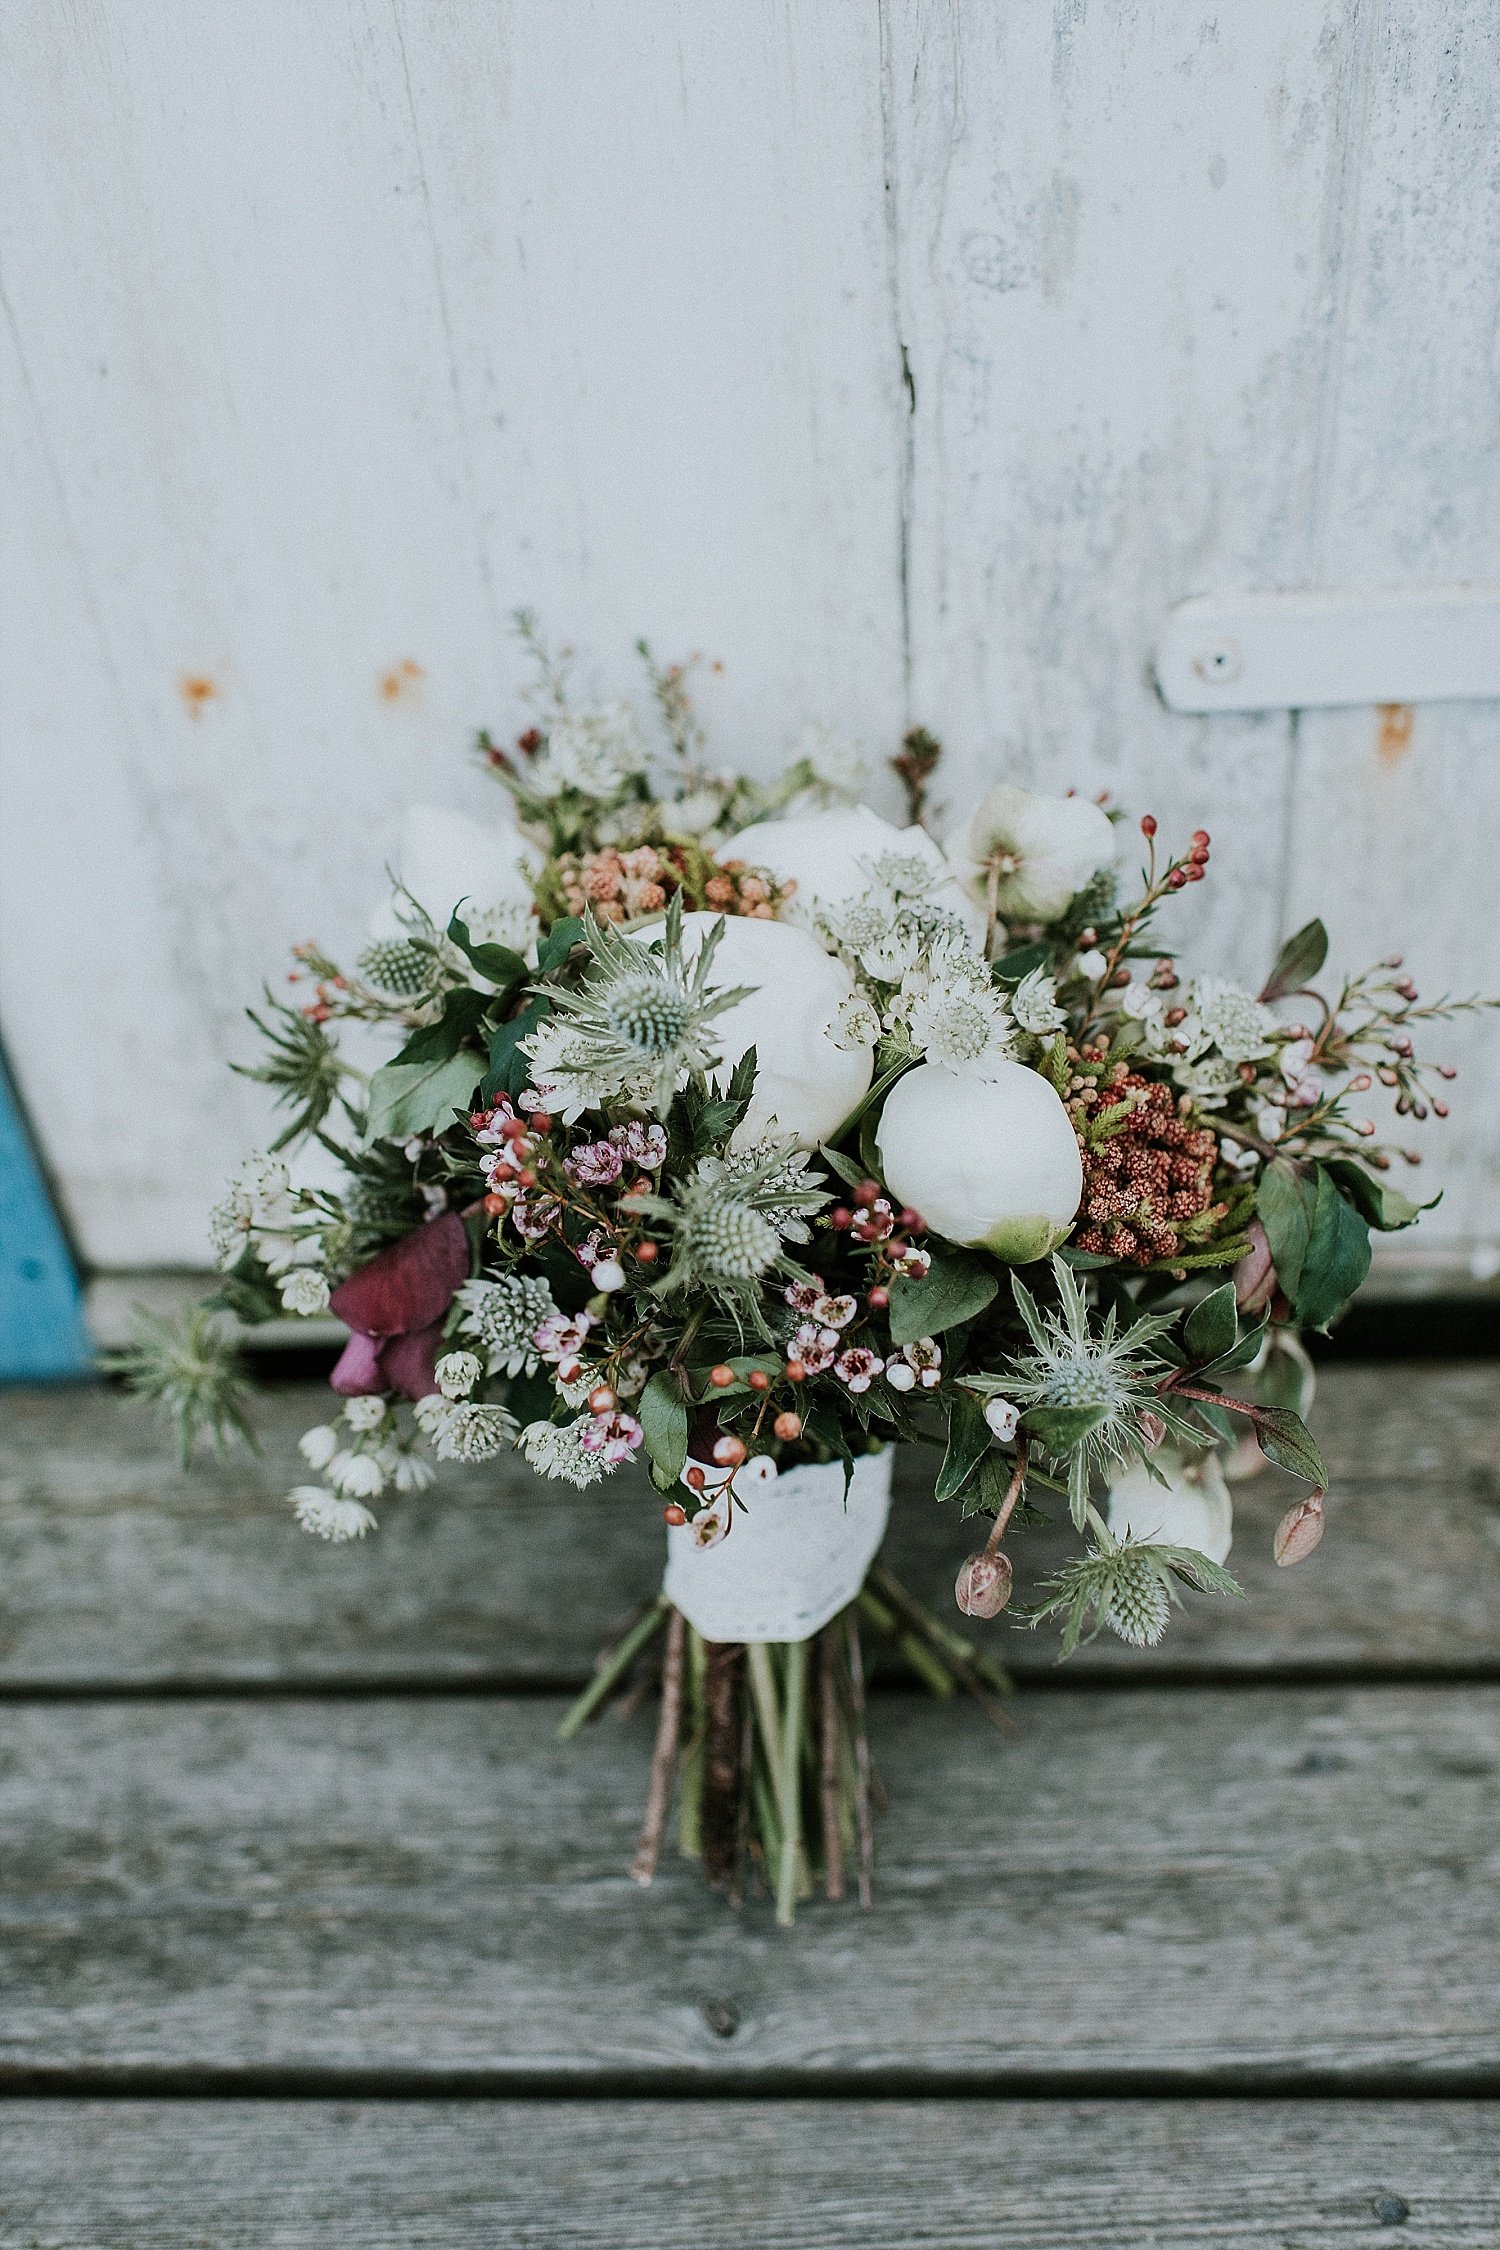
[(911, 358)]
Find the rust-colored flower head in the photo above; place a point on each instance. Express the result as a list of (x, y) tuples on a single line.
[(983, 1586), (1152, 1175)]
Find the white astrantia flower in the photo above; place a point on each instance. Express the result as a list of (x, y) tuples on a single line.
[(327, 1516), (318, 1445), (553, 1450), (594, 752), (364, 1413), (305, 1292), (356, 1476), (1224, 1015), (431, 1413), (1211, 1079), (1030, 856), (857, 1023), (257, 1212), (777, 1167), (409, 1472), (473, 1433), (503, 1315), (1034, 1004), (953, 1012), (830, 858), (457, 1373)]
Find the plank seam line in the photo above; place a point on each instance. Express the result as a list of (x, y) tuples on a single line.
[(268, 2082), (1283, 1678)]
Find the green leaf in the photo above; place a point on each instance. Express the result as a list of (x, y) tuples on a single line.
[(497, 962), (508, 1069), (968, 1442), (1011, 967), (558, 944), (1337, 1257), (954, 1288), (1284, 1438), (1299, 959), (418, 1097), (1212, 1326), (843, 1166), (1378, 1205), (1240, 1353), (984, 1494), (663, 1417), (1285, 1202), (864, 1113), (1057, 1429), (463, 1012)]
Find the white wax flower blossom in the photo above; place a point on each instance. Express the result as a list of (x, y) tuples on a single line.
[(305, 1292), (806, 1082), (1034, 1004), (502, 1316), (1091, 963), (553, 1450), (1192, 1509), (991, 1162), (609, 1275), (327, 1516), (356, 1476), (1032, 855), (457, 1373), (473, 1433), (318, 1445), (364, 1413), (594, 752), (1003, 1418)]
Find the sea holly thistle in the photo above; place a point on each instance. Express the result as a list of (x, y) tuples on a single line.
[(188, 1366), (1126, 1584), (302, 1065), (1086, 1388), (728, 1221), (637, 1027)]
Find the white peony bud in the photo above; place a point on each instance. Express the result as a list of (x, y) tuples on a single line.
[(1044, 848), (828, 855), (807, 1082), (1192, 1509), (990, 1162)]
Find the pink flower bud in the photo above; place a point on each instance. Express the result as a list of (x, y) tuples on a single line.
[(983, 1585), (1152, 1428), (1299, 1531), (1255, 1275)]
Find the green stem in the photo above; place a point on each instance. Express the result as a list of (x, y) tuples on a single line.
[(767, 1710), (613, 1666), (790, 1793), (934, 1675)]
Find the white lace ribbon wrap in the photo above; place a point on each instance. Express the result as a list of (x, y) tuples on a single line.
[(796, 1556)]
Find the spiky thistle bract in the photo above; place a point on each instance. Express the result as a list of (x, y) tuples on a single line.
[(187, 1365)]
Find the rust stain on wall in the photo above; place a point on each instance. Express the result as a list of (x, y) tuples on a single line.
[(196, 690), (1393, 735), (401, 680)]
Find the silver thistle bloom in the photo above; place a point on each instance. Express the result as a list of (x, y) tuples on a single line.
[(638, 1026), (1084, 1388), (1126, 1584)]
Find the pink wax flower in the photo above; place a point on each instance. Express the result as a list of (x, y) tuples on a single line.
[(396, 1305)]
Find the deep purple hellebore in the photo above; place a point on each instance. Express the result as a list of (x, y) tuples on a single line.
[(395, 1306)]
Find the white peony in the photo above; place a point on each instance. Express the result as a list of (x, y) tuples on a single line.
[(1044, 848), (992, 1162), (446, 857), (794, 1018), (830, 855), (1192, 1509)]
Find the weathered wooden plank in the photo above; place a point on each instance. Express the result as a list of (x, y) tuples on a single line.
[(1207, 1886), (118, 1569), (1015, 2175), (338, 333)]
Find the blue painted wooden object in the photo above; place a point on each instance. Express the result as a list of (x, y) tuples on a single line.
[(42, 1335)]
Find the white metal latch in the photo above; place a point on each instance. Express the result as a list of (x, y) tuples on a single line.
[(1278, 652)]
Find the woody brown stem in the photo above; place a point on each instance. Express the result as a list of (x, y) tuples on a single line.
[(833, 1843), (669, 1729), (863, 1816), (1013, 1493), (722, 1786)]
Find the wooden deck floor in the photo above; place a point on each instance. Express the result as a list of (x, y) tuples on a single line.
[(311, 1933)]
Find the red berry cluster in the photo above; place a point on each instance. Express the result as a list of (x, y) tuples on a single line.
[(1151, 1176)]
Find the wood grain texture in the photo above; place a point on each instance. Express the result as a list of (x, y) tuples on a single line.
[(1199, 1886), (1012, 2175), (117, 1569)]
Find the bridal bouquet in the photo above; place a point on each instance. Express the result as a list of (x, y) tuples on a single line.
[(677, 1118)]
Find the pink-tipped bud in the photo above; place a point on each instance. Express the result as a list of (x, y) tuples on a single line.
[(1299, 1531), (1152, 1428), (983, 1585), (1255, 1275), (1148, 824)]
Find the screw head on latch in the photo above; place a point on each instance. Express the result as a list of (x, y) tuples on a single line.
[(1219, 661)]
